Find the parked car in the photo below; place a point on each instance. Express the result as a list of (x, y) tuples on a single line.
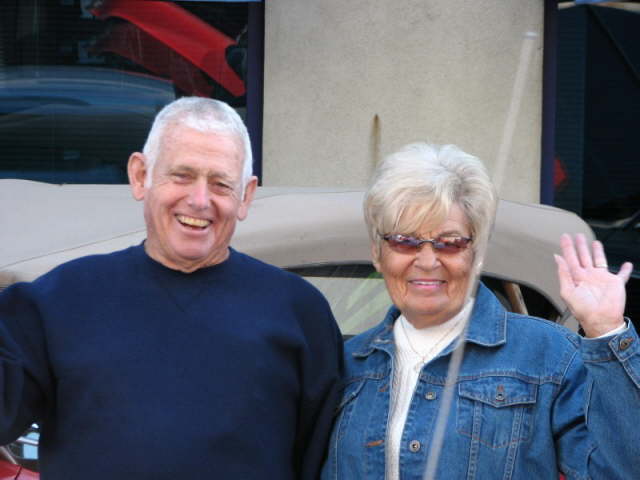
[(317, 233), (10, 469), (58, 123)]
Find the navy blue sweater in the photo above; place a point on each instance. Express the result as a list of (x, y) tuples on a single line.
[(137, 371)]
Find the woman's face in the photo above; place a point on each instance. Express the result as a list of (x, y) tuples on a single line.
[(428, 286)]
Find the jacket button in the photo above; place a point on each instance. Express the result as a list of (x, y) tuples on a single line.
[(430, 395), (414, 446), (625, 343)]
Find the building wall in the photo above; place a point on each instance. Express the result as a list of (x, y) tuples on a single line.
[(349, 81)]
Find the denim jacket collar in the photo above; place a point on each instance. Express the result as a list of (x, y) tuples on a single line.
[(487, 327)]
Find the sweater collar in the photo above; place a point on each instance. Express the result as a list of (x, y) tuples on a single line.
[(201, 273)]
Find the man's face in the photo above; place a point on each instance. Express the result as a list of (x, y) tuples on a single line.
[(194, 201)]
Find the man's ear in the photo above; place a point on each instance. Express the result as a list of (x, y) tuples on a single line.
[(137, 171), (249, 192)]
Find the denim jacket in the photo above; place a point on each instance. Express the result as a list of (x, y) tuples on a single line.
[(531, 399)]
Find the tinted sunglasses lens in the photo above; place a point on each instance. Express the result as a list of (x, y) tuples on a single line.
[(405, 244), (450, 245), (401, 243)]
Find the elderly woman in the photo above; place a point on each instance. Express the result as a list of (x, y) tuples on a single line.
[(532, 399)]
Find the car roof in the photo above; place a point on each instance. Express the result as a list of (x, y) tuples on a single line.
[(45, 225)]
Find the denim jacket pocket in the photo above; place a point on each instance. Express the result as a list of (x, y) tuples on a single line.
[(345, 407), (496, 411)]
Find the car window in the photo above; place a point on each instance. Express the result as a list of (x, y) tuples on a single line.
[(359, 298), (356, 293), (77, 76)]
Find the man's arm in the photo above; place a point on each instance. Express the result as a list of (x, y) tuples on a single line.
[(322, 366), (22, 371)]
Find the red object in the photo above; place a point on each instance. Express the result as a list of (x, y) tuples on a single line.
[(9, 471), (186, 34), (129, 41), (560, 176)]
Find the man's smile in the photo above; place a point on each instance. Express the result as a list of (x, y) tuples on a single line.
[(192, 221)]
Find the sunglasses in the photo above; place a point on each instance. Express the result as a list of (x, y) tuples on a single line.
[(442, 244)]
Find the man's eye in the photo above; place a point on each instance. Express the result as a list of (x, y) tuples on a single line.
[(180, 176), (221, 188)]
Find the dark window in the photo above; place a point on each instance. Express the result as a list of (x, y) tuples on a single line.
[(81, 80), (598, 120)]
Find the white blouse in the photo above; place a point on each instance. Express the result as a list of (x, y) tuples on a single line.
[(414, 348)]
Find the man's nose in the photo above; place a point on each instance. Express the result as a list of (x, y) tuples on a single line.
[(199, 195), (426, 257)]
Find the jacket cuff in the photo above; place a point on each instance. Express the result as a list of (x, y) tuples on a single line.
[(620, 346)]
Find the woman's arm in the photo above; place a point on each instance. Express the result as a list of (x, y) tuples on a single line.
[(611, 355)]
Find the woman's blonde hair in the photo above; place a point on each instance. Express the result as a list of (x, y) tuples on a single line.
[(417, 186)]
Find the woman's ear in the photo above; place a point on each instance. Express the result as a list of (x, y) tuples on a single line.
[(137, 171), (375, 256)]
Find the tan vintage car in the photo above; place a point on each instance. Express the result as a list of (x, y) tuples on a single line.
[(317, 233)]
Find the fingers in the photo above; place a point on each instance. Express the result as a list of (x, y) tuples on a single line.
[(583, 251), (564, 275), (569, 252), (578, 255), (625, 271), (599, 258), (576, 258)]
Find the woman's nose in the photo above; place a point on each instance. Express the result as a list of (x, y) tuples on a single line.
[(426, 257)]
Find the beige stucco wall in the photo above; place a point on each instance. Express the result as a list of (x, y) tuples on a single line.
[(348, 81)]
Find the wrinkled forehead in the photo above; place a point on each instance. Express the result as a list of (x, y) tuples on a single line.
[(180, 141)]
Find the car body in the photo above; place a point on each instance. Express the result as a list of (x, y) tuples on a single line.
[(300, 229), (57, 123), (11, 470), (318, 233)]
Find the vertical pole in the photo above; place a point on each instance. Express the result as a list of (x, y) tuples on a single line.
[(549, 75), (255, 82)]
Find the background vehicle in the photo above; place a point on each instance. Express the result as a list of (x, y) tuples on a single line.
[(64, 120), (319, 234), (81, 80), (10, 469)]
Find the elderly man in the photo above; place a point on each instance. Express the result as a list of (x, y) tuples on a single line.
[(180, 357)]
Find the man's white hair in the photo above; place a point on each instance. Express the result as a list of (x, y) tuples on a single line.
[(205, 115)]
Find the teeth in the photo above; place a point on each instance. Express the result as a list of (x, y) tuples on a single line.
[(194, 222), (418, 282)]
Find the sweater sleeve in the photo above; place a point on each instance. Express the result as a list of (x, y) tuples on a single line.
[(321, 372), (24, 372)]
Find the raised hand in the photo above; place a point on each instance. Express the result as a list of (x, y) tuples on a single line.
[(595, 296)]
